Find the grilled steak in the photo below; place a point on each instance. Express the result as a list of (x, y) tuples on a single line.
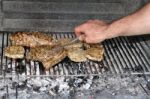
[(47, 55), (14, 52), (95, 54), (58, 57), (91, 51), (30, 39), (39, 53), (80, 52), (77, 55), (43, 52)]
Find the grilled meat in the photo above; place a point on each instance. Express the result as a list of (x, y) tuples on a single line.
[(77, 55), (80, 52), (42, 46), (14, 52), (91, 51), (47, 55), (58, 57), (30, 39), (63, 41), (95, 54), (43, 52)]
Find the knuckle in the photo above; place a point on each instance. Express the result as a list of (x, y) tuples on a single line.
[(76, 29)]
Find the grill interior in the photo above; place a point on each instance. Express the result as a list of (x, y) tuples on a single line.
[(122, 55)]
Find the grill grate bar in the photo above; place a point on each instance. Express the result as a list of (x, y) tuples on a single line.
[(130, 53), (67, 69), (135, 53), (91, 71), (107, 64), (11, 68), (112, 59), (25, 63), (107, 57), (115, 56), (58, 69), (6, 67), (95, 69), (2, 46), (30, 68), (127, 53), (54, 71), (142, 55), (124, 60), (141, 49)]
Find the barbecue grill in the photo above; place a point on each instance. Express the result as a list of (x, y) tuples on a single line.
[(123, 56)]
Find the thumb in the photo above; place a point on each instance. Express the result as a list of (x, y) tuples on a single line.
[(82, 37)]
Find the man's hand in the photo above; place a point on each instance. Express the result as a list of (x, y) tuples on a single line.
[(95, 31)]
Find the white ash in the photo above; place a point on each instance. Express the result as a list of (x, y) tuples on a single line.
[(89, 83), (54, 86), (64, 85)]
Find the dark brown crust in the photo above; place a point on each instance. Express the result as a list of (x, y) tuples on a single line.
[(30, 39)]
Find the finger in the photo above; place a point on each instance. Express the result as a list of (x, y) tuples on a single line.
[(91, 40), (82, 37), (80, 29), (87, 40), (77, 31)]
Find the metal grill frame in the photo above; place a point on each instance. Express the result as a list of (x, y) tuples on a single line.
[(123, 55)]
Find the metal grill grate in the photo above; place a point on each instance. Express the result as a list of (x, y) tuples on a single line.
[(122, 55)]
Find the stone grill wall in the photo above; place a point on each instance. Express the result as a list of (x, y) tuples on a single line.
[(60, 15)]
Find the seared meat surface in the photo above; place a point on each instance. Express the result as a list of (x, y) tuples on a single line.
[(47, 55), (77, 55), (58, 57), (40, 53), (14, 52), (30, 39), (95, 52)]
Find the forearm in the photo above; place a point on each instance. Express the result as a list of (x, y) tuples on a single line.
[(134, 24)]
